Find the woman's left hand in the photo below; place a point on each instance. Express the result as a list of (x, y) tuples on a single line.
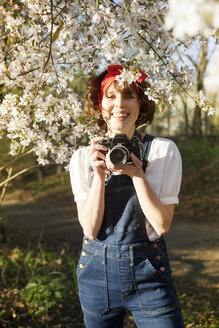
[(131, 169)]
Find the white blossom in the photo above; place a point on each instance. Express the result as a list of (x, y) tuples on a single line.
[(97, 18), (127, 76)]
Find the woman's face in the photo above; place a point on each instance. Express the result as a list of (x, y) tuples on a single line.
[(120, 110)]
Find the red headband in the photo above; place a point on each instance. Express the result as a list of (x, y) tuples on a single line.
[(110, 77)]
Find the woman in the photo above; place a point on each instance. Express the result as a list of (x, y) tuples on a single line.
[(124, 210)]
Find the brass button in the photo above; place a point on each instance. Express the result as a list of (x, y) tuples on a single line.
[(155, 245), (162, 269), (83, 254), (86, 242), (81, 266), (158, 257)]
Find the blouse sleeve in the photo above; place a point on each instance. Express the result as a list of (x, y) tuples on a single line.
[(80, 175), (172, 176), (164, 170)]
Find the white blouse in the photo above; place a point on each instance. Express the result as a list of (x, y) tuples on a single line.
[(163, 173)]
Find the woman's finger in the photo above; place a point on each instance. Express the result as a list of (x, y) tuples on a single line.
[(136, 160), (95, 144), (97, 159), (98, 155)]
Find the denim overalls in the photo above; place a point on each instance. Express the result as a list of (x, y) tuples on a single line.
[(123, 270)]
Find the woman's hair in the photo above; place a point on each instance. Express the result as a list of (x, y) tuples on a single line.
[(92, 105)]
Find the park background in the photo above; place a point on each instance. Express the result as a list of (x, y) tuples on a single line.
[(40, 236)]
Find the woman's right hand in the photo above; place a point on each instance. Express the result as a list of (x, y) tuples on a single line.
[(97, 158)]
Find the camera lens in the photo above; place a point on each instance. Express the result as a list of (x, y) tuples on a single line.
[(119, 155)]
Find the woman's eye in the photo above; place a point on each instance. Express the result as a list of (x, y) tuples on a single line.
[(129, 96)]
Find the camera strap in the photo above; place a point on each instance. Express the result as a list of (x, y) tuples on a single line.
[(146, 146)]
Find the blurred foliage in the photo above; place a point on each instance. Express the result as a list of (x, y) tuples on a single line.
[(4, 150), (49, 185), (200, 184), (199, 153), (35, 283)]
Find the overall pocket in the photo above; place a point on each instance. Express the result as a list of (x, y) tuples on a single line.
[(92, 283), (156, 293)]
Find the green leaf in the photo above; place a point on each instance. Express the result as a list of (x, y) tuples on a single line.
[(30, 298), (57, 32), (31, 285), (41, 310), (8, 41), (58, 295)]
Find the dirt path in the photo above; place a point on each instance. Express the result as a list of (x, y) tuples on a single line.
[(193, 250)]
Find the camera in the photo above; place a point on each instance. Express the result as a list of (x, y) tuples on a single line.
[(120, 147)]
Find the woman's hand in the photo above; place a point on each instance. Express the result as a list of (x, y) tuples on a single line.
[(132, 169), (97, 158)]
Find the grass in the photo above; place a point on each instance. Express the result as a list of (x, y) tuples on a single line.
[(197, 312), (36, 286), (199, 192), (53, 184)]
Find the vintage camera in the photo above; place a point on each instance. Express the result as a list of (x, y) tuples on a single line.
[(120, 147)]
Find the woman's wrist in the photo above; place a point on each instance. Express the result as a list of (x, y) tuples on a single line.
[(139, 174), (99, 174)]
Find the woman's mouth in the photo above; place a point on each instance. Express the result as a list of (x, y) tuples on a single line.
[(121, 115)]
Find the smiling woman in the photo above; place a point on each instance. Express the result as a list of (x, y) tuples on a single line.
[(124, 208)]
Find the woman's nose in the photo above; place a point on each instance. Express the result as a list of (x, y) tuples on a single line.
[(119, 103)]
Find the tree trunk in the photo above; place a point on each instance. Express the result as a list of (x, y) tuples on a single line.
[(197, 122), (197, 118), (61, 175), (186, 117), (39, 175)]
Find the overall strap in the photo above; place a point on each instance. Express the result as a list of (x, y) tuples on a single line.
[(147, 141)]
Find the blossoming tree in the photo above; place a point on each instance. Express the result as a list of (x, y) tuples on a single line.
[(45, 43)]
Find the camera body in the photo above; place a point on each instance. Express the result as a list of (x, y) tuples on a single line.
[(120, 147)]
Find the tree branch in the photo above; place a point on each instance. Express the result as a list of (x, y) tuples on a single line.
[(192, 61), (19, 173), (30, 71), (168, 71), (15, 159)]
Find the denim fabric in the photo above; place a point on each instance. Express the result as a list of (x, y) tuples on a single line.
[(123, 221), (123, 270), (134, 277)]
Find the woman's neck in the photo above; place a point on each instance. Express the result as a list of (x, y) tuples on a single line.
[(129, 132)]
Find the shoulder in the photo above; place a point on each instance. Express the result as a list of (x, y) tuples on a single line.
[(164, 155), (80, 155), (80, 175), (162, 147), (79, 161)]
